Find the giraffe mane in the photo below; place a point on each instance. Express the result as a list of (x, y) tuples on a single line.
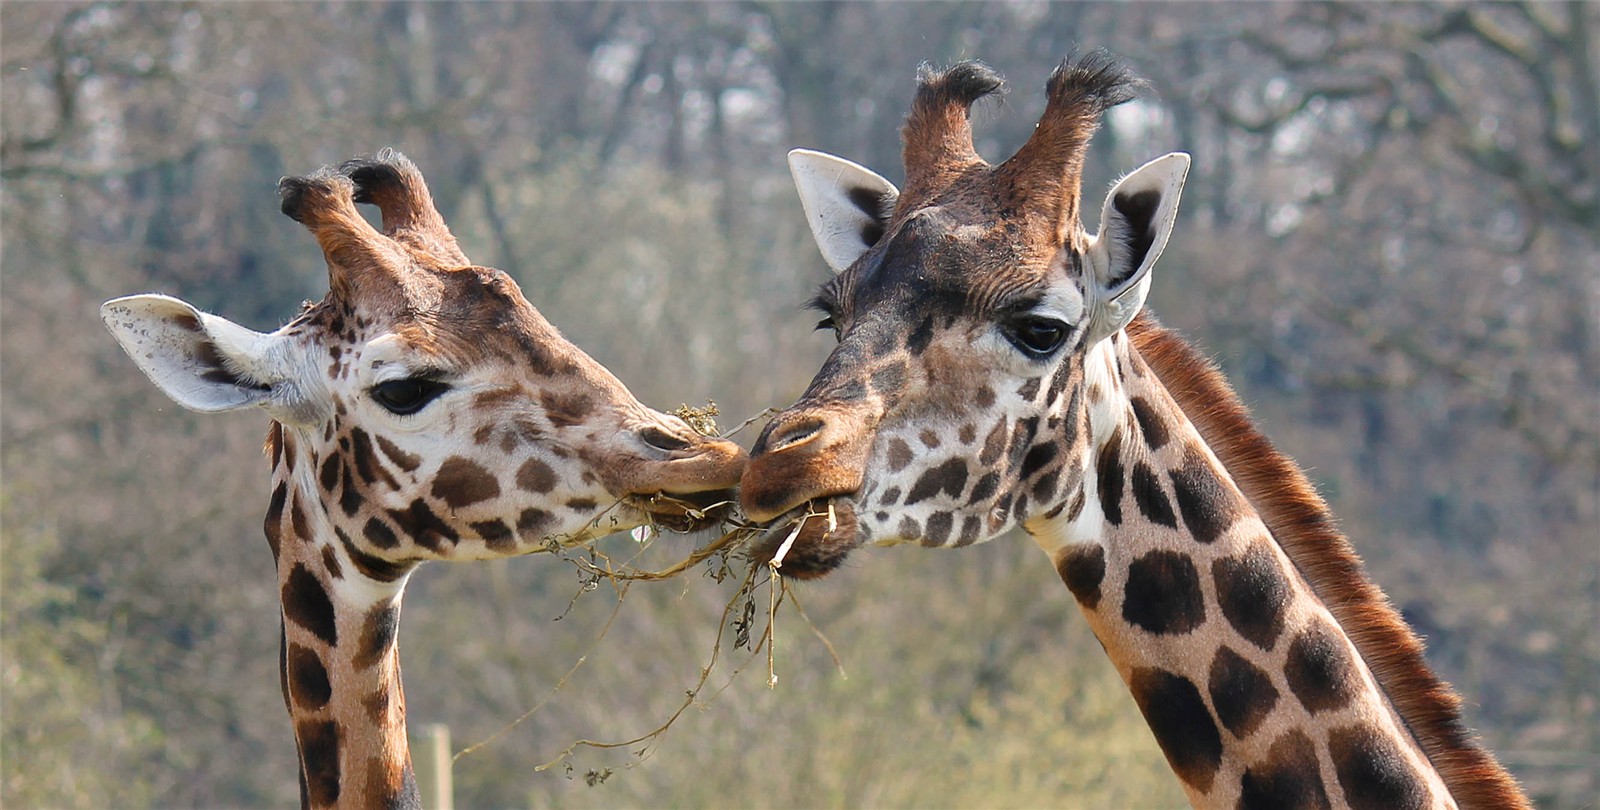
[(1306, 529)]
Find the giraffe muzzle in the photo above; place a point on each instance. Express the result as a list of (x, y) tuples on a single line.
[(810, 453), (812, 540)]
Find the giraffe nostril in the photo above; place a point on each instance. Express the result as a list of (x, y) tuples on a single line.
[(794, 433), (662, 440)]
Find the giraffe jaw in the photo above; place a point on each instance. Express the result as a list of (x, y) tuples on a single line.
[(811, 540)]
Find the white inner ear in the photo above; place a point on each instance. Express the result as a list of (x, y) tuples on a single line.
[(1135, 224), (847, 205), (203, 362)]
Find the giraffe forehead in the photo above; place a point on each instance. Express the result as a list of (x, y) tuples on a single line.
[(394, 355), (459, 313), (940, 250)]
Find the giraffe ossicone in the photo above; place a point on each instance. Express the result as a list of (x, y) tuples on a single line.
[(994, 371), (423, 410)]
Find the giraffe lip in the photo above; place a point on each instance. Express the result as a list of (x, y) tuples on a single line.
[(823, 533), (685, 511)]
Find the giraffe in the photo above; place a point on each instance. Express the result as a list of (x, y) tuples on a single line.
[(994, 369), (423, 410)]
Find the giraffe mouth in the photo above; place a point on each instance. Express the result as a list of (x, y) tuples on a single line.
[(685, 511), (810, 541)]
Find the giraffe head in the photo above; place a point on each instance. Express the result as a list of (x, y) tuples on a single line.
[(436, 413), (954, 406)]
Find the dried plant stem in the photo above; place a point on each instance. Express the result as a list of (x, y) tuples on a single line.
[(695, 557), (817, 631), (582, 659), (623, 573), (746, 423), (690, 699), (772, 623)]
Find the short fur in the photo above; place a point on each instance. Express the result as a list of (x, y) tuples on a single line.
[(938, 132), (1046, 171), (1303, 525)]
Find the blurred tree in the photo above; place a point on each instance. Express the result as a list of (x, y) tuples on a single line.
[(1388, 240)]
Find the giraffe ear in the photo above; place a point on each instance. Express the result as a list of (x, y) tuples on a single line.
[(1134, 227), (203, 362), (847, 205)]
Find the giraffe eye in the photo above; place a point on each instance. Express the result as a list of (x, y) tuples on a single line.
[(1037, 337), (407, 396), (830, 323)]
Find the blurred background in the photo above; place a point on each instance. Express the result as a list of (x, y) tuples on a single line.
[(1390, 241)]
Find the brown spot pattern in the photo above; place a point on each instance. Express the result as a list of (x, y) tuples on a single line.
[(987, 485), (565, 410), (298, 521), (949, 478), (938, 529), (1183, 727), (1208, 508), (1241, 692), (423, 526), (1373, 772), (1151, 500), (993, 444), (328, 476), (273, 525), (1253, 592), (405, 461), (367, 465), (1029, 389), (1287, 778), (1076, 508), (531, 524), (1319, 669), (319, 760), (378, 631), (1150, 425), (1162, 594), (377, 706), (306, 603), (379, 534), (463, 482), (330, 562), (308, 679), (370, 566), (536, 476), (1082, 568), (1109, 478), (899, 454), (350, 500), (496, 534), (971, 526), (909, 527)]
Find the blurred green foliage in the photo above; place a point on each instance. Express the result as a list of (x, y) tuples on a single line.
[(1388, 240)]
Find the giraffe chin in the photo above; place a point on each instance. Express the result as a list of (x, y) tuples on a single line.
[(685, 512), (817, 550)]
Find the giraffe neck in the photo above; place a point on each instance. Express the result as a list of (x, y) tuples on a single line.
[(1254, 691), (340, 659)]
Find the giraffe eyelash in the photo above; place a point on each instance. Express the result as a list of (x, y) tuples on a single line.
[(824, 303)]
